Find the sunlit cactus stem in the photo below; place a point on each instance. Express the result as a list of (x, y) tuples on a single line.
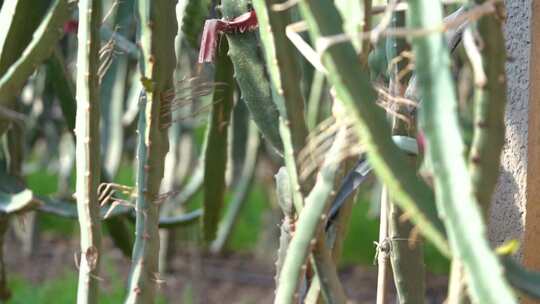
[(490, 104), (157, 30), (87, 149), (354, 89), (455, 200), (489, 128)]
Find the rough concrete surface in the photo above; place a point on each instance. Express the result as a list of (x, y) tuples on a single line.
[(508, 208)]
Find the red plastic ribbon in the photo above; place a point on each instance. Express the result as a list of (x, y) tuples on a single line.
[(214, 27)]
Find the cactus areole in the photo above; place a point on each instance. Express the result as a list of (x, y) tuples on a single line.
[(214, 27)]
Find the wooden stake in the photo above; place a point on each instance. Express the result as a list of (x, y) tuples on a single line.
[(531, 246)]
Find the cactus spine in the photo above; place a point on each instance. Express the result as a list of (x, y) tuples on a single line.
[(456, 202), (354, 89), (157, 29), (87, 149)]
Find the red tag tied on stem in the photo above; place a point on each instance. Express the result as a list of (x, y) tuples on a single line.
[(214, 27)]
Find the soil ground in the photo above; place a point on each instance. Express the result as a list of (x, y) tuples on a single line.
[(232, 278)]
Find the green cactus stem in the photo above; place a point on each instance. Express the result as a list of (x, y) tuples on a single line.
[(243, 186), (250, 74), (216, 154), (120, 41), (87, 155), (366, 45), (407, 258), (113, 91), (283, 68), (63, 87), (286, 92), (284, 198), (157, 29), (488, 137), (315, 99), (406, 250), (455, 200), (14, 200), (67, 210), (309, 226), (192, 187), (490, 104), (19, 21), (39, 48), (353, 88), (457, 285), (336, 231), (326, 271), (195, 12)]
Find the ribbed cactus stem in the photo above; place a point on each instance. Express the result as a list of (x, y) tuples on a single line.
[(455, 200), (332, 242), (284, 198), (407, 257), (250, 74), (157, 29), (195, 13), (406, 252), (39, 48), (309, 226), (241, 192), (286, 92), (488, 138), (283, 68), (87, 149), (216, 151), (20, 18), (490, 104), (315, 99), (457, 286), (113, 93), (326, 270), (353, 88)]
